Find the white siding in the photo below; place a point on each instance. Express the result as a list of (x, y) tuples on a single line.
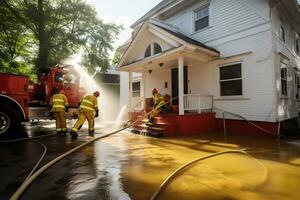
[(287, 107), (157, 80), (226, 18), (257, 102), (236, 27)]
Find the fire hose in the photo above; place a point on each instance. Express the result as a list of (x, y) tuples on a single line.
[(37, 173), (180, 169)]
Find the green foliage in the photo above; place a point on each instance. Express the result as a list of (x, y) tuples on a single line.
[(117, 58), (16, 45), (51, 30)]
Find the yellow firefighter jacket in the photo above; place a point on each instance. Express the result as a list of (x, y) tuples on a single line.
[(88, 104), (58, 102), (158, 100)]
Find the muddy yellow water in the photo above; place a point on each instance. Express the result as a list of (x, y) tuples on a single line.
[(130, 166)]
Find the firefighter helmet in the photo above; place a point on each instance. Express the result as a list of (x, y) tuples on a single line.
[(62, 92), (154, 91), (96, 93)]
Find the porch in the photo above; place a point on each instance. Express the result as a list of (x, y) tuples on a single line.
[(163, 59), (192, 103)]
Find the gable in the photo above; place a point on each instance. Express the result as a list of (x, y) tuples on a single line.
[(146, 38), (168, 40)]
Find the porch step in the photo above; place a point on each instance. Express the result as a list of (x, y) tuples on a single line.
[(149, 133), (152, 128)]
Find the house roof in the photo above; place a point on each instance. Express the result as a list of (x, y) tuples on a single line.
[(187, 39), (159, 6), (176, 34)]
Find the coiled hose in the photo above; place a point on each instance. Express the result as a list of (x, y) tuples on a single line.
[(30, 138), (175, 173)]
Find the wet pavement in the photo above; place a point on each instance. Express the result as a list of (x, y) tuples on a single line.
[(127, 166)]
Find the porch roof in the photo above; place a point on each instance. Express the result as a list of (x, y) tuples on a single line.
[(186, 44), (188, 39)]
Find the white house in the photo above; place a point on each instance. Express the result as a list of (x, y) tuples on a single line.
[(240, 56)]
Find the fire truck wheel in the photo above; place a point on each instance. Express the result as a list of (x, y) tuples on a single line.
[(8, 119)]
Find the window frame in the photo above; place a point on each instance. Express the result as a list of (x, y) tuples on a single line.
[(296, 44), (136, 93), (149, 46), (232, 79), (156, 43), (282, 31), (195, 17), (297, 91), (284, 79), (152, 52)]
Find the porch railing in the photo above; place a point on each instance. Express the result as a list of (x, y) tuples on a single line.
[(138, 104), (197, 102)]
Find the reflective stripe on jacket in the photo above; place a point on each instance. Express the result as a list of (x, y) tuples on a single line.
[(58, 102), (158, 100), (89, 103)]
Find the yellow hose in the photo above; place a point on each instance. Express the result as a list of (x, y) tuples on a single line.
[(171, 177)]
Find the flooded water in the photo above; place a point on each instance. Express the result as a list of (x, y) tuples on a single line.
[(128, 166)]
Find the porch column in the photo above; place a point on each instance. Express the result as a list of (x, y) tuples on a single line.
[(130, 92), (143, 87), (180, 84)]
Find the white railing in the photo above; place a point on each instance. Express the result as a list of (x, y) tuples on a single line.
[(138, 104), (197, 102)]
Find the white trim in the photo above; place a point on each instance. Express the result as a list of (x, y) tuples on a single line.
[(16, 103), (150, 59), (183, 42), (220, 81), (194, 17)]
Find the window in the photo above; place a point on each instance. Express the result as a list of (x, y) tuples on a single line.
[(157, 48), (153, 49), (282, 31), (283, 71), (297, 43), (231, 80), (148, 51), (136, 89), (201, 18), (297, 85)]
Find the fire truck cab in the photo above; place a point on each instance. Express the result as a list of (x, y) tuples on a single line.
[(22, 100)]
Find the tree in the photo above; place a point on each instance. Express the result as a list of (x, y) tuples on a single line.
[(117, 58), (64, 27), (16, 45)]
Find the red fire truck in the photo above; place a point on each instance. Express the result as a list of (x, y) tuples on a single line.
[(22, 100)]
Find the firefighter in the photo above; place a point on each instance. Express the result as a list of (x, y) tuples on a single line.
[(158, 106), (88, 105), (59, 103)]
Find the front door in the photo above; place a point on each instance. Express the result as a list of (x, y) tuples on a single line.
[(175, 83)]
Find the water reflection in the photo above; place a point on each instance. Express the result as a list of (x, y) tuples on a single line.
[(128, 166), (100, 176)]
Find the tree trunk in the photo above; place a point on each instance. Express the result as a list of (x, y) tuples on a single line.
[(43, 46)]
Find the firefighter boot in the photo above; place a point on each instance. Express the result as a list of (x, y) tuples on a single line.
[(150, 121), (91, 133), (74, 134), (64, 131)]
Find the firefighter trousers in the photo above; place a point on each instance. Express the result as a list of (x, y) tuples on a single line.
[(82, 116), (60, 119), (155, 112)]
